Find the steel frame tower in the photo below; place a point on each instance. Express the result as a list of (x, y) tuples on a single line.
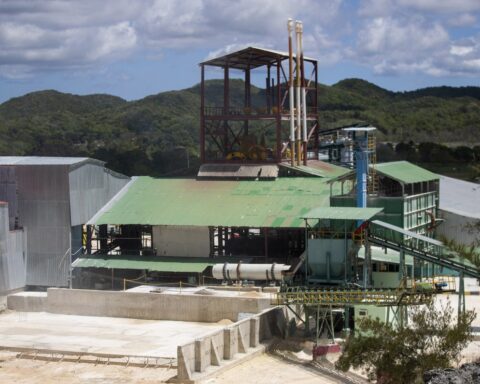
[(223, 126)]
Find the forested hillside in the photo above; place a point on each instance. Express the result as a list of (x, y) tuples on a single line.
[(149, 136)]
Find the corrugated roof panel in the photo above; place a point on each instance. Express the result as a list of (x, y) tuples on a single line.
[(460, 197), (152, 263), (402, 171), (190, 202), (317, 168), (405, 172), (44, 160), (342, 213), (250, 57), (142, 262), (238, 171)]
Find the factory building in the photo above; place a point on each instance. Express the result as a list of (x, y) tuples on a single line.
[(306, 241), (262, 196), (48, 200)]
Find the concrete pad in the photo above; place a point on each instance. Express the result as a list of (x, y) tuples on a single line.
[(99, 335), (27, 301), (269, 369)]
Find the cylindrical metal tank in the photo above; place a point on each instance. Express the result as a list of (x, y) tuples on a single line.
[(240, 271)]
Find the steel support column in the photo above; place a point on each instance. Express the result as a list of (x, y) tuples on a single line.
[(202, 114), (248, 100), (226, 107), (278, 116), (461, 295)]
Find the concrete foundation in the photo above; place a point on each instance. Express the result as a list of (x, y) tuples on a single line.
[(101, 336), (27, 301), (123, 314), (227, 347), (139, 305)]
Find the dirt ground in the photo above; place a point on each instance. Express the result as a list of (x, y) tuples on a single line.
[(29, 371), (273, 370), (262, 369)]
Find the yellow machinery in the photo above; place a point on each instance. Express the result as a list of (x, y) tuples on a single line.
[(249, 150)]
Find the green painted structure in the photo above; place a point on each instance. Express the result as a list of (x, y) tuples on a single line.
[(342, 213), (408, 196), (279, 203), (402, 171), (405, 172), (150, 263)]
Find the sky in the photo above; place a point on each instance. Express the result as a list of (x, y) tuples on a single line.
[(135, 48)]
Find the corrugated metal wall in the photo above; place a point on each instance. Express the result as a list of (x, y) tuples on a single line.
[(455, 228), (91, 187), (8, 191), (12, 257), (44, 209), (48, 199)]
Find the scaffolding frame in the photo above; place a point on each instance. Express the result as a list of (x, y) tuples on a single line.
[(216, 129)]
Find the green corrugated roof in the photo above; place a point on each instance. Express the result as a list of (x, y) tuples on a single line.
[(342, 213), (402, 171), (405, 172), (150, 263), (189, 202)]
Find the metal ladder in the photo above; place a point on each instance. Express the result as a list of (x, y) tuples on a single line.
[(372, 186)]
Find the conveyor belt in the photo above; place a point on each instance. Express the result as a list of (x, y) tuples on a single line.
[(342, 297), (419, 246)]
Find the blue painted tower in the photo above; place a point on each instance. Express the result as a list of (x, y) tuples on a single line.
[(362, 160)]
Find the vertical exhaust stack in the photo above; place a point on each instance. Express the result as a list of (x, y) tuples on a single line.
[(290, 93), (304, 99), (298, 28)]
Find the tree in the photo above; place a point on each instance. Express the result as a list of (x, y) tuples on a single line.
[(406, 151), (396, 355)]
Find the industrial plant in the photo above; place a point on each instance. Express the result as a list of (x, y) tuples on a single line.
[(287, 228)]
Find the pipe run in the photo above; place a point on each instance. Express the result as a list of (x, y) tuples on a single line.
[(304, 98), (290, 93), (240, 271), (298, 31)]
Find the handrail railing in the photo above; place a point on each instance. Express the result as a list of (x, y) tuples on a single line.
[(342, 297)]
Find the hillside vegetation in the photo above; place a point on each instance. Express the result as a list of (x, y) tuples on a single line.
[(150, 136)]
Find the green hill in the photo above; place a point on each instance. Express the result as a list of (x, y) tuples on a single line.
[(144, 136)]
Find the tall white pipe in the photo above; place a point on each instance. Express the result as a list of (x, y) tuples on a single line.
[(291, 95), (304, 95), (298, 28)]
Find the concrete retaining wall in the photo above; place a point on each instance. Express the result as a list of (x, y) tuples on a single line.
[(138, 305), (27, 301), (223, 347)]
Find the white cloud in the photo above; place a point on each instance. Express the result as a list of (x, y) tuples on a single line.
[(463, 20), (404, 43), (442, 6), (398, 38), (459, 50), (45, 36), (113, 40), (376, 8), (75, 34), (390, 36)]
